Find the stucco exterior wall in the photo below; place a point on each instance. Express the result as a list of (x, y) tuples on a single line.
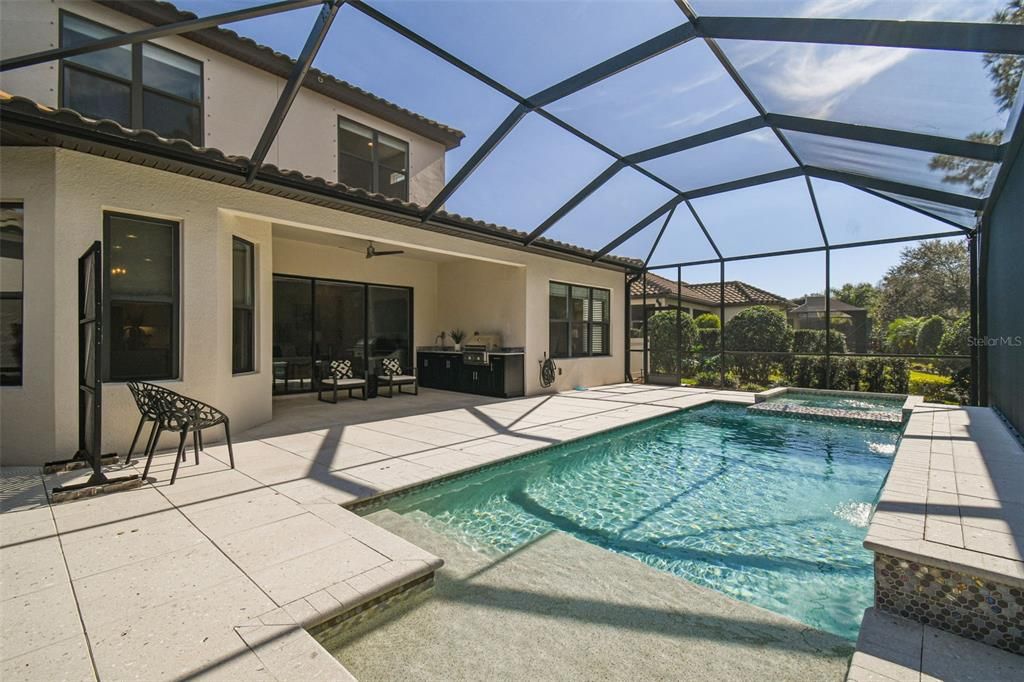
[(31, 403), (65, 194), (238, 98), (293, 257), (483, 297)]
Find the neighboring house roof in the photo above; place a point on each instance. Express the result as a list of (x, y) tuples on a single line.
[(249, 51), (816, 304), (736, 292), (24, 122)]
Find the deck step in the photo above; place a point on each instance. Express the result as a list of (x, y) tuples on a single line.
[(894, 648)]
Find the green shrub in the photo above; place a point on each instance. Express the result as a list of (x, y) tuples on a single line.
[(813, 341), (873, 374), (713, 379), (708, 340), (898, 376), (933, 387), (751, 388), (901, 335), (929, 334), (955, 342), (801, 371), (708, 321), (665, 334), (758, 328)]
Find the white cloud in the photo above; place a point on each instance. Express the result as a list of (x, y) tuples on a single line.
[(817, 78), (698, 116)]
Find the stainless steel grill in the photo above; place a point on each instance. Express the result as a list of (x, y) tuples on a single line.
[(475, 351)]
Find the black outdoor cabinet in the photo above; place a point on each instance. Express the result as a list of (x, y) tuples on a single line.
[(502, 377), (438, 370), (507, 376)]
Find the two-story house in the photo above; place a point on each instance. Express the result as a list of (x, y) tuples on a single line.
[(233, 290)]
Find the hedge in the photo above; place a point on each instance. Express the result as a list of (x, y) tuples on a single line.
[(876, 375)]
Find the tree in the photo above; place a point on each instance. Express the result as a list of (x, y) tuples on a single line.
[(930, 334), (901, 335), (863, 295), (664, 339), (932, 278), (954, 340), (708, 321), (758, 328), (1005, 71)]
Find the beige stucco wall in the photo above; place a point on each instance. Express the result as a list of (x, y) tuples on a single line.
[(26, 414), (293, 257), (238, 98), (65, 194), (482, 297)]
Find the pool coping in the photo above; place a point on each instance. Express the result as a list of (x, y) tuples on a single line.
[(940, 481)]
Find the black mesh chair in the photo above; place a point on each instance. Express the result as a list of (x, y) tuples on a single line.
[(184, 415), (146, 399)]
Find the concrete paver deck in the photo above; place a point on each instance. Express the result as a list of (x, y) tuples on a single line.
[(216, 576), (954, 497)]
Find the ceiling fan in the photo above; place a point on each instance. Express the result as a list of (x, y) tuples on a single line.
[(371, 252)]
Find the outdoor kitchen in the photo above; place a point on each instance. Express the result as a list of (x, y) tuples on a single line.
[(481, 365)]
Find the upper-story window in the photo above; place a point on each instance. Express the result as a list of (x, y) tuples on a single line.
[(139, 86), (372, 160)]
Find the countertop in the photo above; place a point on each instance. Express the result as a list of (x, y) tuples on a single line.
[(452, 351)]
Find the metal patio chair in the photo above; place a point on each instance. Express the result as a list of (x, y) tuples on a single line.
[(184, 415), (339, 375), (146, 400), (391, 376)]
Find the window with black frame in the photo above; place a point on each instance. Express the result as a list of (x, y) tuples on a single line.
[(12, 247), (141, 292), (578, 321), (243, 306), (139, 86), (372, 160)]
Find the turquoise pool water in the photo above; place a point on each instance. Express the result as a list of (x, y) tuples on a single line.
[(768, 510), (862, 405)]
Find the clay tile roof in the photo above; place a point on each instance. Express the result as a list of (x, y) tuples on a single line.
[(228, 42), (816, 304), (736, 292), (55, 123)]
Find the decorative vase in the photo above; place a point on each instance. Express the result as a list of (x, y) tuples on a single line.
[(458, 347)]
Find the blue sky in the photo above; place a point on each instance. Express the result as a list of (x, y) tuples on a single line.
[(530, 44)]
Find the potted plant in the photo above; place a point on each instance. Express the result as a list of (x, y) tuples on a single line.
[(457, 336)]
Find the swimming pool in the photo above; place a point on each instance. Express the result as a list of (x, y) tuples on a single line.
[(766, 509)]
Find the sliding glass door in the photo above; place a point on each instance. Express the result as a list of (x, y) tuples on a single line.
[(390, 327), (320, 320), (293, 334), (340, 323)]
